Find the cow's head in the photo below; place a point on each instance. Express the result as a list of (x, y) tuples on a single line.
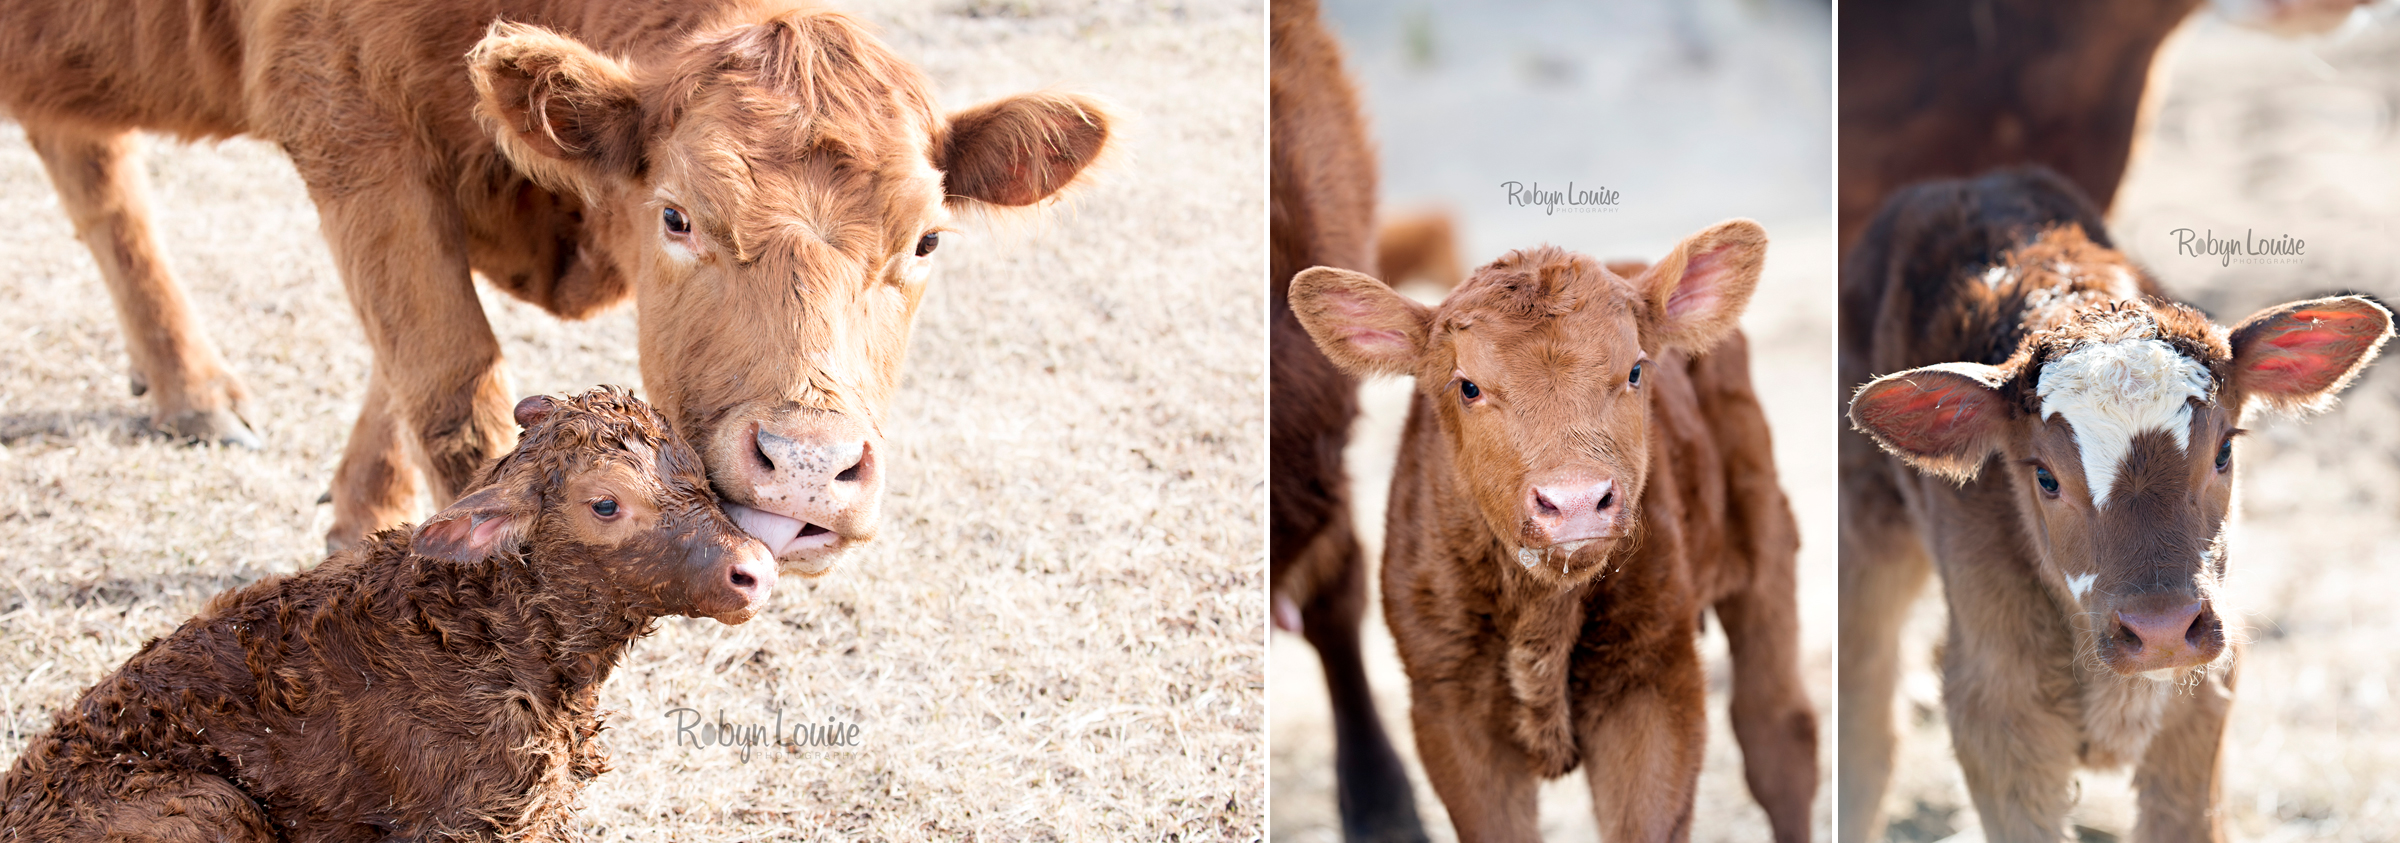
[(2116, 430), (1539, 369), (776, 191)]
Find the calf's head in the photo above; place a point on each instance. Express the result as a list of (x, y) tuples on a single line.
[(604, 499), (2116, 432), (1538, 370), (776, 191)]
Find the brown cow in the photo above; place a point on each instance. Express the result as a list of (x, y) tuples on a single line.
[(2058, 439), (1584, 472), (436, 686), (764, 178), (1323, 189), (1951, 90)]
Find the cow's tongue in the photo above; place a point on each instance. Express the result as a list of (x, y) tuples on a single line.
[(774, 531)]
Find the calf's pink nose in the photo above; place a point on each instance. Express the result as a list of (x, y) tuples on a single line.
[(2166, 634), (1573, 511)]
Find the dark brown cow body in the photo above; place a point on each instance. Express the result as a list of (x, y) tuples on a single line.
[(1324, 214), (2057, 438), (1952, 90), (438, 686), (1578, 483), (764, 177)]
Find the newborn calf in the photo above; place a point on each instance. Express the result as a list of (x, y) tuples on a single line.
[(430, 685)]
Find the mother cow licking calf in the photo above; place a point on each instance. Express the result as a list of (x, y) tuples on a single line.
[(766, 179)]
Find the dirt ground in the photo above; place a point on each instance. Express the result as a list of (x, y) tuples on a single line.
[(2276, 137), (1059, 635), (1694, 112)]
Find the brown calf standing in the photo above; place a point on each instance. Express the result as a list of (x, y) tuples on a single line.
[(1323, 183), (2057, 437), (431, 686), (1584, 472), (764, 177)]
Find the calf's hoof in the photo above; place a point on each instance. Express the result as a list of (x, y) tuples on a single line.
[(220, 426)]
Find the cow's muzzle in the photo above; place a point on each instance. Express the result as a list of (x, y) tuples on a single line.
[(2161, 634), (814, 488)]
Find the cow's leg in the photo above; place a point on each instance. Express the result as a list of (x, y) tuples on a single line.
[(1772, 717), (1883, 567), (2006, 689), (99, 181), (2178, 778), (1485, 781), (400, 243), (1642, 748), (1376, 801)]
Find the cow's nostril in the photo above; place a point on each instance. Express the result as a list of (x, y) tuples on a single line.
[(1542, 502), (2132, 639), (1607, 499), (743, 579), (850, 475), (760, 451)]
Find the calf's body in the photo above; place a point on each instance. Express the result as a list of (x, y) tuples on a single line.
[(1585, 471), (2057, 438), (432, 684)]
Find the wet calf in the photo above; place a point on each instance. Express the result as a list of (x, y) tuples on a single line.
[(438, 683)]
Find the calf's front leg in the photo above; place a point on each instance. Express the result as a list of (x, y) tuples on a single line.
[(2178, 780), (1641, 752)]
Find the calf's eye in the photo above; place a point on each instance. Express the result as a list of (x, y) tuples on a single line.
[(604, 508), (677, 223), (1468, 390), (1634, 379), (926, 244), (2225, 455), (2048, 481)]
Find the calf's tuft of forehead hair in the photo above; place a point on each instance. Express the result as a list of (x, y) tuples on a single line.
[(1527, 286), (2182, 329), (604, 420)]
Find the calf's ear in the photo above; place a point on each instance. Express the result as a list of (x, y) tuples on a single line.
[(1698, 291), (2296, 357), (1360, 324), (1942, 420), (480, 526), (1023, 149), (567, 116)]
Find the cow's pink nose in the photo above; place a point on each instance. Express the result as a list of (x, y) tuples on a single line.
[(2166, 634), (1572, 511), (814, 488)]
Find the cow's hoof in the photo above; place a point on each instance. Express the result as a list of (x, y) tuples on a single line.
[(219, 427)]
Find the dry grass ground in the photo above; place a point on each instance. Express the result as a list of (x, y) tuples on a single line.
[(1059, 635), (2279, 137), (1695, 112)]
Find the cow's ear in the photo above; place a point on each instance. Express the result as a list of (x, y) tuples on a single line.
[(566, 115), (1943, 420), (1023, 149), (1361, 325), (1697, 292), (479, 526), (2296, 357)]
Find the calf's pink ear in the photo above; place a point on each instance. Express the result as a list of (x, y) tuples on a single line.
[(2296, 357), (1360, 324), (562, 113), (1023, 149), (1942, 420), (1697, 292), (477, 527)]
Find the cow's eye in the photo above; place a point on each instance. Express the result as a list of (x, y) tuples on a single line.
[(677, 222), (2225, 455), (604, 508), (926, 244), (1634, 379), (2049, 482), (1468, 391)]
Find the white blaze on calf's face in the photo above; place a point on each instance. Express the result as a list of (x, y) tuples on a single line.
[(2110, 391)]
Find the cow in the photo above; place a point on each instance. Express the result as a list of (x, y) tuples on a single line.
[(1952, 90), (2057, 437), (1584, 472), (1322, 183), (766, 180), (435, 683)]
